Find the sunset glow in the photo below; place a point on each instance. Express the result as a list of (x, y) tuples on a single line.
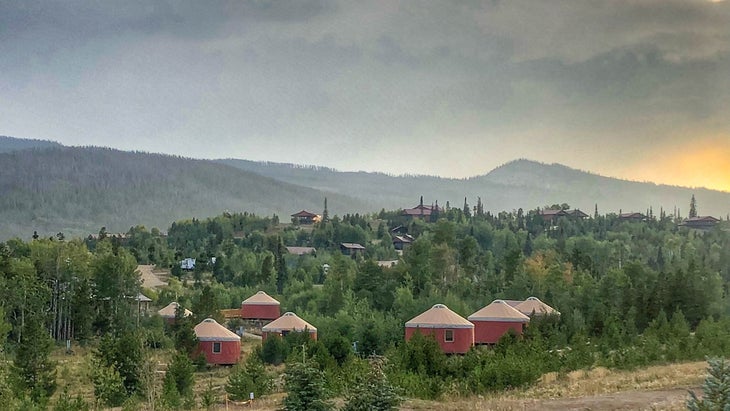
[(705, 164)]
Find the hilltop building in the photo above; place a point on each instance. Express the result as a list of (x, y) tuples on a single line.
[(305, 217), (700, 222)]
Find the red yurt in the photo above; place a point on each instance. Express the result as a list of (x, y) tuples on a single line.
[(495, 320), (289, 322), (260, 306), (217, 343), (533, 306), (453, 333), (168, 313)]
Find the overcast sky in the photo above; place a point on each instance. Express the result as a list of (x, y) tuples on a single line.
[(634, 89)]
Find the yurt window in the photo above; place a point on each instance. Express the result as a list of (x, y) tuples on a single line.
[(216, 348), (449, 335)]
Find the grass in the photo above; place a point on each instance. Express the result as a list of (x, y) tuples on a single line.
[(658, 387)]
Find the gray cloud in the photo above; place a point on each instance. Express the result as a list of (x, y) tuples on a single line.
[(454, 88)]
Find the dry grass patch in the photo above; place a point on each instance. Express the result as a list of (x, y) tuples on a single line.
[(662, 387)]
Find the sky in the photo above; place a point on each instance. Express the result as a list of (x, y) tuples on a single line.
[(631, 89)]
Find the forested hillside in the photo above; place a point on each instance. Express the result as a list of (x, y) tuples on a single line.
[(8, 144), (518, 184), (77, 190), (630, 294), (49, 188)]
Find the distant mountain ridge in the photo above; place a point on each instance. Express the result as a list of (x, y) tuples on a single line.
[(9, 144), (76, 190), (517, 184)]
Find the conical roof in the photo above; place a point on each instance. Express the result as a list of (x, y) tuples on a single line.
[(210, 330), (533, 304), (499, 310), (260, 298), (439, 316), (288, 322), (169, 311)]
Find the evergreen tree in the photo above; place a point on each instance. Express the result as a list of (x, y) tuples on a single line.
[(305, 388), (716, 388), (693, 207), (373, 392), (32, 367), (182, 374), (466, 210), (325, 212)]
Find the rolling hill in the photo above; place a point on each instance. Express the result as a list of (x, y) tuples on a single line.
[(76, 190), (518, 184)]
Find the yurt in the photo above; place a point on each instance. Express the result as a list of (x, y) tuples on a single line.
[(168, 312), (289, 322), (495, 320), (217, 343), (260, 306), (533, 306), (454, 334)]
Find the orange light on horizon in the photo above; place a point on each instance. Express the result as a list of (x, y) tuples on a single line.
[(705, 164)]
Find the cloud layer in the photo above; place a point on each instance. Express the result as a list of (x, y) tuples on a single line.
[(438, 88)]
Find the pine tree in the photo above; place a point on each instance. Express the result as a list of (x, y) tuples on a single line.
[(373, 392), (692, 207), (325, 212), (32, 367), (305, 388), (716, 388)]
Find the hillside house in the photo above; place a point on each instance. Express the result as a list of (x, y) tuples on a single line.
[(633, 217), (496, 320), (550, 215), (218, 344), (352, 249), (700, 222), (576, 214), (188, 264), (421, 211), (260, 306), (453, 333), (401, 242), (287, 323), (305, 217)]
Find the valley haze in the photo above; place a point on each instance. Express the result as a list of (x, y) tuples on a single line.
[(50, 188)]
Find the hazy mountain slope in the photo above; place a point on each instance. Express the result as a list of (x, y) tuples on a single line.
[(376, 190), (555, 183), (8, 144), (518, 184), (78, 190)]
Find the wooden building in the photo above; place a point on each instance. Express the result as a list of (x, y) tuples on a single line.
[(305, 217)]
